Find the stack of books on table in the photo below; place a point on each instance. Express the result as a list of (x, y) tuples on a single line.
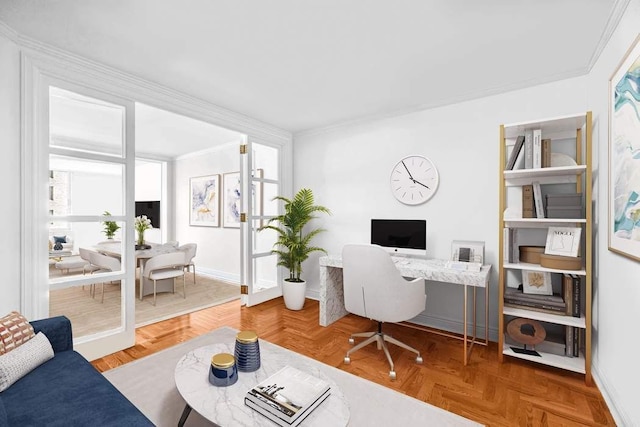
[(554, 304), (288, 396)]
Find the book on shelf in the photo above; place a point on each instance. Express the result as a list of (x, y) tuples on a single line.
[(517, 294), (535, 306), (537, 149), (287, 396), (546, 153), (515, 152), (528, 207), (537, 199), (567, 292), (575, 302), (572, 341), (528, 149)]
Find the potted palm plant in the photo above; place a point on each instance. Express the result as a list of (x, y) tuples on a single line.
[(110, 227), (293, 245)]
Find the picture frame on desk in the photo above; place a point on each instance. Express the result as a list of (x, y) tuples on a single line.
[(624, 144), (563, 241), (467, 251), (536, 282)]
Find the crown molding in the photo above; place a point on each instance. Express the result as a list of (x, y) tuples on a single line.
[(148, 92), (8, 32), (497, 90), (215, 149), (619, 7)]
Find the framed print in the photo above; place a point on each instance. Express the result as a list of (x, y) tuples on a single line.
[(467, 251), (231, 184), (205, 201), (563, 241), (536, 282), (624, 155)]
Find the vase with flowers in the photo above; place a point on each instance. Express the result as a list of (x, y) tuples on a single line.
[(142, 223)]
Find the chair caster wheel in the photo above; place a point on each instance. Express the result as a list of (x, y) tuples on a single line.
[(352, 341), (419, 360), (392, 375), (347, 360)]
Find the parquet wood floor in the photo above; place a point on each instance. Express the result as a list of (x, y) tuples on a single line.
[(513, 393)]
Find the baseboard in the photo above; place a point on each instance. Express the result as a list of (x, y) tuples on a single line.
[(609, 395), (220, 275), (452, 325)]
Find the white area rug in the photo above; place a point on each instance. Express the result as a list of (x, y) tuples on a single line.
[(149, 384)]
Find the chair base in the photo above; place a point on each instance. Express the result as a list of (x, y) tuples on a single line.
[(381, 340)]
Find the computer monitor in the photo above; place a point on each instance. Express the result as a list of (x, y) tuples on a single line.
[(400, 236)]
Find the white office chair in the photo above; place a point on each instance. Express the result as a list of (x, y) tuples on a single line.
[(105, 263), (374, 288), (165, 266), (189, 250)]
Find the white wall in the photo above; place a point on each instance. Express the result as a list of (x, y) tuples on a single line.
[(10, 173), (218, 248), (616, 284), (348, 168)]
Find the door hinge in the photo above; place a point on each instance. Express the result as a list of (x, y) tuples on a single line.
[(243, 217), (244, 290), (243, 148)]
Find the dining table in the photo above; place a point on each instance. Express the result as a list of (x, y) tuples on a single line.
[(114, 249)]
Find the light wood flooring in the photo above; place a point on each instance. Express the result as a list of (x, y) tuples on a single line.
[(513, 393)]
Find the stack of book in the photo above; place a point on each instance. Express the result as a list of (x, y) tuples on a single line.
[(532, 204), (554, 304), (564, 205), (288, 396)]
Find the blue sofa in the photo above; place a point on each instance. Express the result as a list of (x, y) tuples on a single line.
[(66, 390)]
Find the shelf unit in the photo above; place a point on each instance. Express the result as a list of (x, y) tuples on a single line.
[(573, 134)]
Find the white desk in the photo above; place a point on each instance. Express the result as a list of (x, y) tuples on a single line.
[(332, 292)]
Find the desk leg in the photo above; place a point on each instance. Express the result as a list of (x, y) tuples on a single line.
[(331, 295), (465, 339)]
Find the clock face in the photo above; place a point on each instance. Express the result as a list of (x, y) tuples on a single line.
[(414, 180)]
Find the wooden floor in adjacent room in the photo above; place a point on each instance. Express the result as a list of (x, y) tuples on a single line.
[(513, 393)]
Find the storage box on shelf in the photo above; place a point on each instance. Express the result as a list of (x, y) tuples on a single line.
[(565, 188)]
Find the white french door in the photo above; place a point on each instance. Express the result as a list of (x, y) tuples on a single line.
[(83, 176), (260, 182)]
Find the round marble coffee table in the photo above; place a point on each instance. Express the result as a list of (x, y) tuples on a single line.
[(225, 405)]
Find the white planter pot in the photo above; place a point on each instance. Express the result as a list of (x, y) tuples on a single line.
[(294, 294)]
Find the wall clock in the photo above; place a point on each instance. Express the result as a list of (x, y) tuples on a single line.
[(414, 180)]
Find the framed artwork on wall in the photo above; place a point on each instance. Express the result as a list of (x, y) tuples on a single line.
[(624, 155), (205, 201), (232, 195), (231, 184)]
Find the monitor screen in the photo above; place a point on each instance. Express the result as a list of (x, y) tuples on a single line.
[(400, 235), (151, 209)]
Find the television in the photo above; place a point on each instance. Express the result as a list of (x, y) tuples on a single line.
[(151, 209), (400, 236)]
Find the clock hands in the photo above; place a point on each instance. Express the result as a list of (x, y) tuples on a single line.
[(411, 177)]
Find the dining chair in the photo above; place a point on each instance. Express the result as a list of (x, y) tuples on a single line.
[(105, 263), (189, 250), (165, 266)]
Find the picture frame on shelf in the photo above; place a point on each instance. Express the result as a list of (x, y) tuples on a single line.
[(467, 251), (536, 282), (563, 241), (205, 201), (624, 145)]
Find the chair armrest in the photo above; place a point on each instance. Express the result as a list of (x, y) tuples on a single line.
[(58, 332)]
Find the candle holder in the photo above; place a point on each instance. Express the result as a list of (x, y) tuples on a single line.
[(247, 351)]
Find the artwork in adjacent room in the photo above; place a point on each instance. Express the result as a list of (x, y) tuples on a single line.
[(624, 155), (205, 201), (231, 184)]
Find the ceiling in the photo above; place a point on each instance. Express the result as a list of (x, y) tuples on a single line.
[(303, 65)]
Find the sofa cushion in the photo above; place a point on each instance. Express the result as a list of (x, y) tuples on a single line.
[(68, 391), (15, 330), (3, 415), (59, 239), (24, 359)]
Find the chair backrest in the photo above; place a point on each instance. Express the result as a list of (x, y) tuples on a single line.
[(170, 260), (85, 253), (105, 262), (375, 288), (189, 250)]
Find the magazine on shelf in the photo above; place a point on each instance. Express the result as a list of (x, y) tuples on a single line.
[(287, 396)]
